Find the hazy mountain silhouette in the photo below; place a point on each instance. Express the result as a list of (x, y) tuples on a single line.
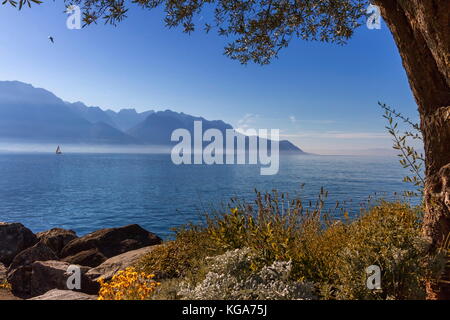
[(92, 114), (123, 120), (158, 127), (32, 114), (126, 119)]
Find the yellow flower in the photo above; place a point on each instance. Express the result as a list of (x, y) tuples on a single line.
[(128, 284)]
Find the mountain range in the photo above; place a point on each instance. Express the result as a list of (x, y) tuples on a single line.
[(30, 114)]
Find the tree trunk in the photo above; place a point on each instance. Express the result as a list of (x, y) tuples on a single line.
[(421, 31)]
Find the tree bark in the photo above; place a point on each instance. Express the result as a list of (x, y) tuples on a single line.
[(421, 31)]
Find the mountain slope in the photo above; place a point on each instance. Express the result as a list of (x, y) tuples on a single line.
[(126, 119), (91, 114), (37, 115), (32, 114), (157, 129)]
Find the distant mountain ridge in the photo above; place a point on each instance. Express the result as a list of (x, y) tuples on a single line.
[(126, 119), (157, 128), (32, 114)]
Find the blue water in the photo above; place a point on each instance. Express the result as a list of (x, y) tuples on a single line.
[(86, 192)]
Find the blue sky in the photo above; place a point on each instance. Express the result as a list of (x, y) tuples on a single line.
[(323, 97)]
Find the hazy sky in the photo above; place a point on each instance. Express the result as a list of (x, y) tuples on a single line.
[(323, 97)]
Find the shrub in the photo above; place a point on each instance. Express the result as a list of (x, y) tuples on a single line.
[(230, 277), (272, 228), (181, 257), (128, 285), (332, 253), (387, 236)]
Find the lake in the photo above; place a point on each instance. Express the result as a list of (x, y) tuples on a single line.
[(86, 192)]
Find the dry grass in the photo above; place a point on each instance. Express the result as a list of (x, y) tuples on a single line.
[(331, 253)]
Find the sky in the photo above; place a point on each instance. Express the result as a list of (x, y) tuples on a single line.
[(323, 97)]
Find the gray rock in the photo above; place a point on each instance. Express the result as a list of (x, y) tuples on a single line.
[(14, 238), (112, 242), (48, 275), (57, 294), (111, 266), (56, 238)]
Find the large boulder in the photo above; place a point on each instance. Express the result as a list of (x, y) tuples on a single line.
[(20, 279), (19, 271), (14, 238), (48, 275), (57, 294), (112, 242), (56, 238), (111, 266), (38, 252), (89, 258)]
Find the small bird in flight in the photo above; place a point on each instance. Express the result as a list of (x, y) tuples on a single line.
[(51, 39)]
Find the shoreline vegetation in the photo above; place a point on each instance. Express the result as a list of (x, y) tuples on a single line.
[(275, 248)]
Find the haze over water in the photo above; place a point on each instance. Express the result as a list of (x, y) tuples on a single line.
[(86, 192)]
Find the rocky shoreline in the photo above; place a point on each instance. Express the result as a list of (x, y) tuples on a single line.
[(38, 266)]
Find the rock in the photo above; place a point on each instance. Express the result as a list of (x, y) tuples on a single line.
[(14, 238), (112, 242), (57, 294), (19, 271), (89, 258), (20, 279), (7, 295), (111, 266), (48, 275), (56, 238), (38, 252)]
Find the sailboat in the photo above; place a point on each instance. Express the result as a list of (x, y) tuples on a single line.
[(58, 150)]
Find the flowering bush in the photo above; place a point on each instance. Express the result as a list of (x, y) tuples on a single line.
[(5, 285), (128, 285), (230, 277)]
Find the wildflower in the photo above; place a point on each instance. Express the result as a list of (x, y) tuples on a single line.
[(128, 284)]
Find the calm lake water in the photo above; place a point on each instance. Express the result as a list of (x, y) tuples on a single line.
[(86, 192)]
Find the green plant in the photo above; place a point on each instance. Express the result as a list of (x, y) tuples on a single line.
[(230, 277), (271, 227), (331, 253), (180, 257), (409, 157), (387, 236)]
